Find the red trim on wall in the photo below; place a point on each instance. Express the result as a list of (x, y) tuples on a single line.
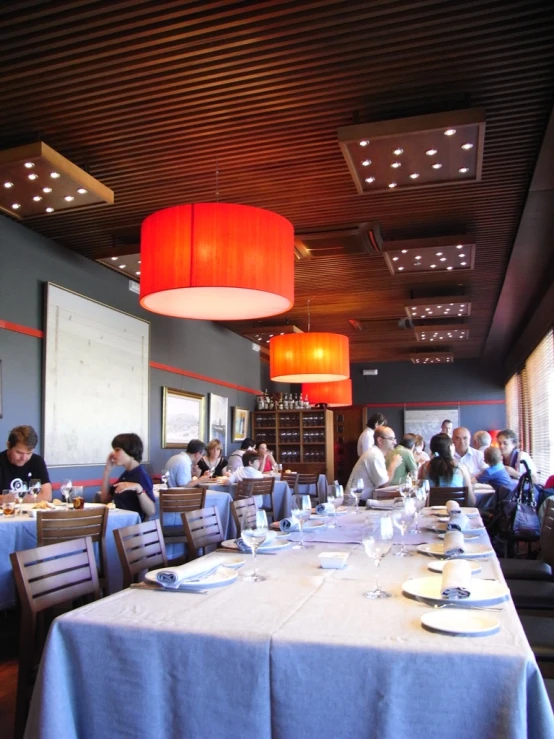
[(86, 483), (21, 329), (441, 403), (196, 376)]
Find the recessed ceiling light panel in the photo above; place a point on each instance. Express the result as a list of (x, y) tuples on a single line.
[(437, 254), (430, 309)]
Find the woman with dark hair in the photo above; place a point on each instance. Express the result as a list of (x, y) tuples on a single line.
[(513, 457), (266, 460), (442, 470), (133, 491), (213, 461)]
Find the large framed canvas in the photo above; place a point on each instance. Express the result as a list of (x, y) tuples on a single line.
[(96, 378), (428, 422), (240, 424), (218, 419), (182, 418)]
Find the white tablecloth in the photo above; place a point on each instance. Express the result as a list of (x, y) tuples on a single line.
[(302, 654), (20, 532)]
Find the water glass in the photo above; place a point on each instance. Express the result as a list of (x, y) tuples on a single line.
[(302, 510), (377, 541), (356, 490), (403, 515), (35, 486), (254, 533), (66, 486), (8, 503)]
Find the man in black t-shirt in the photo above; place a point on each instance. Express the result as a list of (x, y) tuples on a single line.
[(18, 464)]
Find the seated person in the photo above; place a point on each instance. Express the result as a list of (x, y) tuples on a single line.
[(213, 461), (371, 468), (443, 470), (266, 460), (481, 440), (183, 467), (133, 491), (464, 454), (407, 464), (19, 465), (513, 457), (248, 470), (234, 462), (420, 455), (496, 474)]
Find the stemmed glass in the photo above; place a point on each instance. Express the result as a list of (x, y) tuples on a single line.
[(164, 477), (419, 502), (377, 541), (302, 510), (402, 516), (254, 533), (34, 487), (66, 488), (355, 491), (335, 497)]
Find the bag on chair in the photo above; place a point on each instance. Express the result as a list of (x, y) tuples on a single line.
[(517, 517)]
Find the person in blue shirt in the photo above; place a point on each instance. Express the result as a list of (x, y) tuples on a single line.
[(496, 474), (134, 490)]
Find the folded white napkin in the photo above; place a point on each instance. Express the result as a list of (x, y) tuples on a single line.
[(243, 546), (289, 524), (457, 522), (324, 508), (453, 543), (452, 507), (456, 579), (172, 577)]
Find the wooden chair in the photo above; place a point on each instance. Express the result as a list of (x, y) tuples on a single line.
[(178, 501), (55, 526), (240, 508), (47, 576), (140, 548), (251, 488), (203, 529), (289, 478), (440, 496), (309, 483)]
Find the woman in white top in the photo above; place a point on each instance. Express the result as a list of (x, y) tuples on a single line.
[(513, 457)]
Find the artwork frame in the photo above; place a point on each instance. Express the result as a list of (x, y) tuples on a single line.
[(218, 419), (241, 418), (1, 411), (183, 417)]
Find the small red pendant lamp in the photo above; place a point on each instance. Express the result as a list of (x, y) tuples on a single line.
[(332, 394), (217, 261), (309, 357)]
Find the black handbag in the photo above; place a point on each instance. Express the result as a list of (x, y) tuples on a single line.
[(517, 515)]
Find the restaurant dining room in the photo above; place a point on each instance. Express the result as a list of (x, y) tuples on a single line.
[(277, 369)]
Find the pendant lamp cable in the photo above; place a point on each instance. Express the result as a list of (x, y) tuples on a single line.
[(309, 318)]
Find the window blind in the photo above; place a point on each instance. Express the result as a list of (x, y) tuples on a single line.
[(512, 403), (538, 379)]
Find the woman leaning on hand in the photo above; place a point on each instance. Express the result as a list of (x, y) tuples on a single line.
[(133, 491)]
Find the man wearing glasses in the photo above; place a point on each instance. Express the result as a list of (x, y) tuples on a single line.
[(372, 468)]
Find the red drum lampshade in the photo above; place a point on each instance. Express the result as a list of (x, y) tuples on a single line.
[(311, 357), (217, 261), (493, 434), (331, 393)]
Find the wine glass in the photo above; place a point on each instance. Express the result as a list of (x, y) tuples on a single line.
[(402, 516), (302, 510), (35, 486), (66, 488), (254, 533), (165, 477), (355, 491), (377, 541), (420, 498)]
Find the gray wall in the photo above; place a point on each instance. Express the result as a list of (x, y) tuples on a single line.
[(27, 262), (400, 382)]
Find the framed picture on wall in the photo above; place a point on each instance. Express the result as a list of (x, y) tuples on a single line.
[(0, 388), (240, 424), (218, 419), (182, 418)]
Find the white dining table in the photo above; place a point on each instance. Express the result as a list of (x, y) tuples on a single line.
[(282, 496), (302, 654), (18, 533)]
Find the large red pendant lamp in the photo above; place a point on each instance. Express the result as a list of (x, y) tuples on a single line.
[(332, 394), (310, 357), (217, 261)]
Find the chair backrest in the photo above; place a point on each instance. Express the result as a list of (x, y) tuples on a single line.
[(50, 575), (547, 533), (180, 500), (306, 481), (140, 547), (440, 496), (289, 478), (249, 487), (203, 529), (241, 508), (55, 526)]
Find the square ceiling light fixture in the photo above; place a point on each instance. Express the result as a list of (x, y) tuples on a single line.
[(421, 151), (441, 357), (437, 254), (36, 180), (454, 332), (435, 308), (262, 334)]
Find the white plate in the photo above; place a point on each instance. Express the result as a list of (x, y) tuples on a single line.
[(436, 549), (275, 546), (459, 622), (438, 564), (482, 591), (218, 579), (467, 536), (441, 526)]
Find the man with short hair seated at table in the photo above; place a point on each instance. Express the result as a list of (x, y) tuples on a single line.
[(180, 466), (496, 474), (467, 455), (481, 440), (248, 471), (19, 465), (372, 468)]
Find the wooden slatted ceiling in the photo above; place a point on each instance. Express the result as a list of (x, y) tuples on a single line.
[(149, 95)]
